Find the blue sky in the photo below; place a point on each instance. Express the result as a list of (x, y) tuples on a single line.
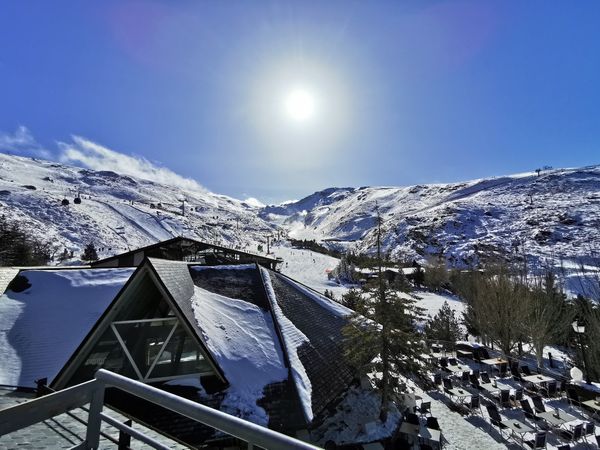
[(407, 92)]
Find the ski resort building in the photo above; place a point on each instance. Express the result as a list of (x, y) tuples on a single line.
[(242, 339), (186, 249)]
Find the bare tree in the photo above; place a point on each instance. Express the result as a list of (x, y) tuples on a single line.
[(547, 317)]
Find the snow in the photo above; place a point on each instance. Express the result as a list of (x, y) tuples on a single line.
[(432, 302), (555, 213), (351, 422), (118, 213), (42, 326), (242, 338), (309, 268), (293, 338)]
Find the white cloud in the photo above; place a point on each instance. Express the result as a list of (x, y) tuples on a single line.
[(23, 142), (97, 157), (252, 201)]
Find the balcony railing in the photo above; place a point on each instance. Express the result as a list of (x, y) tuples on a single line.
[(92, 392)]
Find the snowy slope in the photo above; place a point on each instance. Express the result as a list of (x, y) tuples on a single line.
[(115, 212), (554, 214)]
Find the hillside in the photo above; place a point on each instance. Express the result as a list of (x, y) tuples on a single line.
[(117, 212), (555, 214)]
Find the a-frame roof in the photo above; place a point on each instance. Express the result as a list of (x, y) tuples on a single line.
[(252, 324), (169, 277)]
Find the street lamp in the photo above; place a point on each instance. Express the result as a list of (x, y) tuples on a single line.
[(579, 331)]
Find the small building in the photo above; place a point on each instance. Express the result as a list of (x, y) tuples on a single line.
[(240, 338), (187, 249)]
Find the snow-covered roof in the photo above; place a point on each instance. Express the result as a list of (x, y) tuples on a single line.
[(275, 343), (42, 325)]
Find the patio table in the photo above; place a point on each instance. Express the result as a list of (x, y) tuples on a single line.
[(537, 379), (494, 361), (556, 420), (517, 427), (594, 405)]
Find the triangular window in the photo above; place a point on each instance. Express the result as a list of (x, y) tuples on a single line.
[(145, 341), (159, 349)]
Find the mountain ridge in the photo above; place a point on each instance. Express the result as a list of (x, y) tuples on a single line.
[(552, 214)]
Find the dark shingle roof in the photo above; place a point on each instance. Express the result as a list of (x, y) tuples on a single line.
[(242, 282), (322, 357)]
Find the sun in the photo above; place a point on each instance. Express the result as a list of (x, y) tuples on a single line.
[(300, 105)]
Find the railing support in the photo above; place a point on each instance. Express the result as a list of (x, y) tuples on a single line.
[(92, 436)]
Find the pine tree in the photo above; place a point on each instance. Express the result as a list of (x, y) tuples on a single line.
[(90, 253), (19, 249), (444, 326), (381, 336), (351, 299)]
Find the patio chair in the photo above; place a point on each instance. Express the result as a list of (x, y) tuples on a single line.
[(437, 379), (589, 430), (432, 423), (503, 370), (464, 379), (452, 362), (504, 398), (550, 390), (425, 408), (517, 397), (485, 377), (539, 441), (527, 410), (447, 384), (538, 404), (476, 373), (495, 418), (573, 396), (444, 363), (514, 367), (526, 371), (573, 435), (412, 418), (563, 386), (474, 404), (474, 381)]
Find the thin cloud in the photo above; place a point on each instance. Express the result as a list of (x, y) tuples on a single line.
[(97, 157), (22, 142)]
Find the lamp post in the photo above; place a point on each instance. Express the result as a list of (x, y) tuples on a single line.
[(579, 331)]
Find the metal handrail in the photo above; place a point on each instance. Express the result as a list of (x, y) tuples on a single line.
[(234, 426), (92, 392)]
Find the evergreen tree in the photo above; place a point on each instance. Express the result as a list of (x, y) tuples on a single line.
[(90, 253), (444, 326), (344, 272), (382, 337), (19, 249), (351, 299)]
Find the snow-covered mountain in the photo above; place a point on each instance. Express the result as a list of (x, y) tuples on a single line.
[(117, 212), (553, 214)]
